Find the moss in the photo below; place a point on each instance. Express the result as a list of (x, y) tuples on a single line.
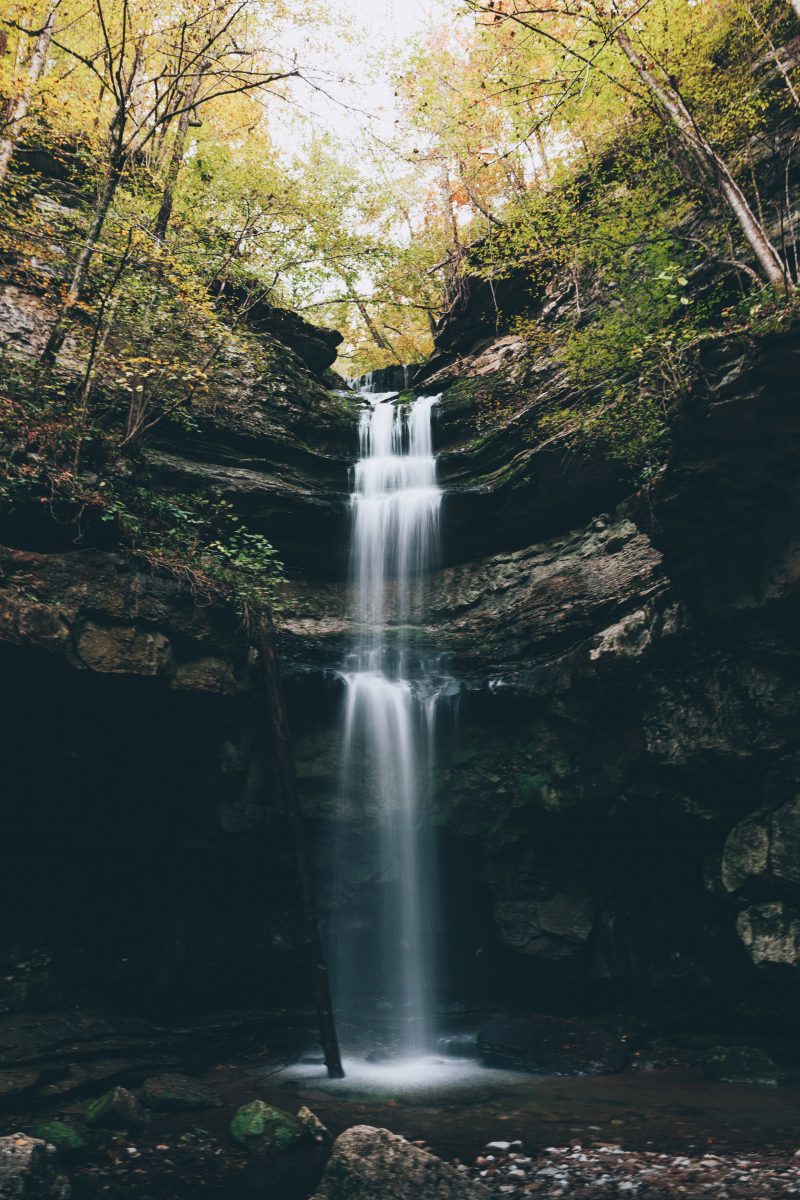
[(115, 1109), (349, 404), (489, 787), (63, 1137), (263, 1129)]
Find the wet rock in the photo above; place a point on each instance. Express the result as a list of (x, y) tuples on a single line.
[(770, 933), (17, 1083), (29, 1170), (373, 1164), (740, 1064), (764, 844), (746, 854), (262, 1129), (554, 924), (123, 649), (315, 1128), (558, 1046), (175, 1093), (117, 1108)]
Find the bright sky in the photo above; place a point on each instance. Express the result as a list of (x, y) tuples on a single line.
[(361, 93)]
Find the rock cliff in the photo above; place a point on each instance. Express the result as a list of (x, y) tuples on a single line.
[(618, 806)]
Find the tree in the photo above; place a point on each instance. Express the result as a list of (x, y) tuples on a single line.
[(287, 783), (18, 109), (186, 101), (583, 35), (714, 171), (152, 79)]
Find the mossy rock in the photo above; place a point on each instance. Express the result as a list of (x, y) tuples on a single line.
[(263, 1129), (740, 1064), (115, 1109), (65, 1139)]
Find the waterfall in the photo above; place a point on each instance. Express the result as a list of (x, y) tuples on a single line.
[(387, 958)]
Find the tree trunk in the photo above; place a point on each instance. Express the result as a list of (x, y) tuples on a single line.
[(378, 338), (540, 146), (105, 197), (774, 53), (176, 158), (287, 782), (796, 6), (713, 169), (18, 110)]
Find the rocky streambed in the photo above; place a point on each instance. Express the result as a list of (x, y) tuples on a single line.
[(368, 1163), (149, 1112)]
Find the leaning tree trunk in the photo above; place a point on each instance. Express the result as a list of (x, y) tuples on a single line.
[(380, 340), (101, 210), (287, 783), (713, 169), (18, 109), (176, 158)]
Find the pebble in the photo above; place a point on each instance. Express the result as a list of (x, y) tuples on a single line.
[(609, 1171)]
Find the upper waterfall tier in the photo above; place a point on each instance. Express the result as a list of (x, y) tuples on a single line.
[(396, 505)]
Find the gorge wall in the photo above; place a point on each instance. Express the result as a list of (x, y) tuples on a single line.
[(618, 808)]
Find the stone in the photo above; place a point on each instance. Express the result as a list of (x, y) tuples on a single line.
[(770, 933), (740, 1064), (766, 843), (551, 925), (123, 649), (60, 1135), (746, 853), (205, 675), (311, 1122), (29, 1170), (176, 1093), (374, 1164), (16, 1083), (785, 847), (262, 1129), (117, 1108), (557, 1045)]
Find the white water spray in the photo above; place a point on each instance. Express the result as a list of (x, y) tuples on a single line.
[(388, 957)]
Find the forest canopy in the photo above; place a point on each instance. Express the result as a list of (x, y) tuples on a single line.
[(552, 135), (163, 174)]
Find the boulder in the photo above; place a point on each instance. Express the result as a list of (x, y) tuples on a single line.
[(29, 1170), (178, 1093), (314, 1127), (740, 1064), (262, 1129), (549, 925), (746, 853), (557, 1045), (770, 933), (16, 1083), (56, 1133), (116, 1109), (373, 1164), (764, 844)]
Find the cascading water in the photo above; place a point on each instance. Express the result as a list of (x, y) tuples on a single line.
[(388, 957)]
